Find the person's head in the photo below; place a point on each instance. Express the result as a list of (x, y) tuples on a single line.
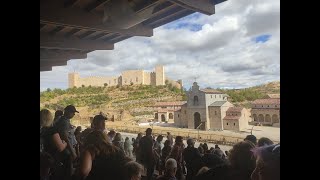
[(149, 132), (205, 146), (167, 143), (212, 160), (190, 142), (241, 156), (216, 146), (58, 113), (264, 142), (219, 153), (111, 134), (139, 135), (160, 138), (133, 170), (251, 138), (168, 133), (46, 118), (98, 122), (227, 153), (98, 143), (179, 140), (70, 111), (267, 163), (78, 130), (171, 166), (201, 150), (117, 137), (126, 139)]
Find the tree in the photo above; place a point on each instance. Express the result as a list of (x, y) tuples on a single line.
[(131, 83), (105, 84), (48, 90)]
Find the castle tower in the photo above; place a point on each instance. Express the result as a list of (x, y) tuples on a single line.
[(160, 79), (73, 80)]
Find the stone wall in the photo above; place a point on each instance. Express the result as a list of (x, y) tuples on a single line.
[(135, 76), (147, 78), (216, 115), (132, 76), (160, 77), (190, 116), (232, 125)]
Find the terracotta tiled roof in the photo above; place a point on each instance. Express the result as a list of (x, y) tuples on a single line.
[(211, 91), (264, 109), (234, 109), (231, 118), (275, 101), (175, 103)]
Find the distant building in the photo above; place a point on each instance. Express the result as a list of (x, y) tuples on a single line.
[(165, 111), (128, 77), (205, 109), (266, 111)]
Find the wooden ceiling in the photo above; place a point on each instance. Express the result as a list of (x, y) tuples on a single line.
[(69, 29)]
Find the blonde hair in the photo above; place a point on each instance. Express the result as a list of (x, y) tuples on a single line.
[(46, 118), (97, 143)]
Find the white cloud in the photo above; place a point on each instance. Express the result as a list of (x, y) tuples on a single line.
[(222, 53)]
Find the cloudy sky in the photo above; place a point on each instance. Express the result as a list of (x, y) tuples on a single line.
[(237, 47)]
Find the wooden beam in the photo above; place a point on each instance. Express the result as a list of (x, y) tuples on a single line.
[(59, 42), (53, 62), (54, 12), (55, 54), (96, 4), (45, 68), (202, 6), (69, 3)]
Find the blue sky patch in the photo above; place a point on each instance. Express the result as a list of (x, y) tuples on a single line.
[(262, 38)]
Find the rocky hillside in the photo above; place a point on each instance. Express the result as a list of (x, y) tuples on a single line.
[(123, 102), (127, 102)]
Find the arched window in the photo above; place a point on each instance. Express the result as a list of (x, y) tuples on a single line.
[(195, 101), (156, 115)]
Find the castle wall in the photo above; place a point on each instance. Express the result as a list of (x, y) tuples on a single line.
[(134, 76), (153, 79), (97, 81), (160, 78), (73, 80), (147, 78)]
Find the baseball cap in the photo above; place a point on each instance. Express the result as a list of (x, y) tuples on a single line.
[(71, 108)]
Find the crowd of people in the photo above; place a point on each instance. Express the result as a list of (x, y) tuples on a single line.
[(70, 153)]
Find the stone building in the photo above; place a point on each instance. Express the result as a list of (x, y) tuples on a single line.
[(236, 119), (128, 77), (266, 111), (206, 109), (166, 111)]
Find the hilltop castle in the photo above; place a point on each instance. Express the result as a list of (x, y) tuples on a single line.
[(129, 77)]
